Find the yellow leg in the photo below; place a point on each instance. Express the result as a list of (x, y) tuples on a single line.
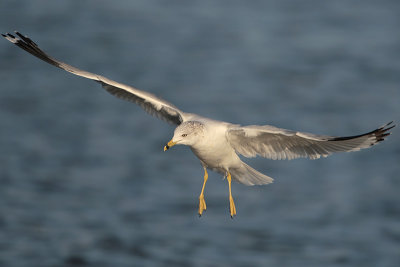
[(232, 208), (202, 202)]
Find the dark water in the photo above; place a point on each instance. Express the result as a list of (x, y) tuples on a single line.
[(84, 181)]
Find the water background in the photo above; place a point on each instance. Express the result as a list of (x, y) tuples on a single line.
[(84, 180)]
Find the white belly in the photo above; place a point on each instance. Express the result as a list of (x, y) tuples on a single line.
[(216, 153)]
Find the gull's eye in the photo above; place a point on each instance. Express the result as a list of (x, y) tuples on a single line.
[(184, 135)]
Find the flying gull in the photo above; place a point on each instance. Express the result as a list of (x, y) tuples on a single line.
[(217, 143)]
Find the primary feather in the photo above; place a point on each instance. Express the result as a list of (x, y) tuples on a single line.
[(275, 143), (149, 102)]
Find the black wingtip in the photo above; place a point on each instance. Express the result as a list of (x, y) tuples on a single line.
[(386, 128), (383, 131), (19, 34), (379, 134), (25, 38), (10, 37), (387, 124)]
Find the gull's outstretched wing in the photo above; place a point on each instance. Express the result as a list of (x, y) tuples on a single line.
[(149, 102), (275, 143)]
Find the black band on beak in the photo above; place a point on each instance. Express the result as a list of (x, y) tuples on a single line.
[(168, 145)]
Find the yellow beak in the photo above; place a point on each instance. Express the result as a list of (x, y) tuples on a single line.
[(170, 144)]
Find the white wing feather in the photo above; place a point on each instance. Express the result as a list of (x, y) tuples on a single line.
[(276, 143), (149, 102)]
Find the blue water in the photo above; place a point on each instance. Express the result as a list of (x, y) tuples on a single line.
[(84, 180)]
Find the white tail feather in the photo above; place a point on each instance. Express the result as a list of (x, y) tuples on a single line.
[(249, 176)]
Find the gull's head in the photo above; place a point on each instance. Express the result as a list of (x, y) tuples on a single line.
[(188, 133)]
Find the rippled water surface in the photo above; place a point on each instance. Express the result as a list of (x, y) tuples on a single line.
[(84, 180)]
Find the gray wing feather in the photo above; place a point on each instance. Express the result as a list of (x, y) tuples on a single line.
[(275, 143), (149, 102)]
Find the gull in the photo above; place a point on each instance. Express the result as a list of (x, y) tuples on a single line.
[(218, 144)]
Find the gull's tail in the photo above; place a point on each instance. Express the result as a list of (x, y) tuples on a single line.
[(249, 176)]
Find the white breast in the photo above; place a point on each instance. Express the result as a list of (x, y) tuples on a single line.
[(213, 149)]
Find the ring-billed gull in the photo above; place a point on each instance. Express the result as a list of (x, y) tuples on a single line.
[(216, 143)]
